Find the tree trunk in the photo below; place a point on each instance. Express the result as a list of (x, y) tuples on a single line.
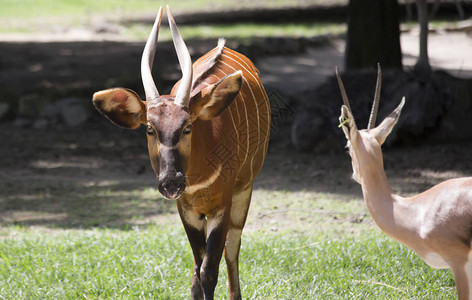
[(373, 35), (423, 61)]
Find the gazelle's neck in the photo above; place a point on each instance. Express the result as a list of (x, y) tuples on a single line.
[(377, 193), (385, 207)]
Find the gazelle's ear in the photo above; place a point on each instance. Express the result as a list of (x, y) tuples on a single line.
[(382, 131), (123, 107), (347, 123), (217, 97)]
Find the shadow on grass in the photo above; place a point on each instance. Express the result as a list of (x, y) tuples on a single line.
[(121, 205), (98, 175)]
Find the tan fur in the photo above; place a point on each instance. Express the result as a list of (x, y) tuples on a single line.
[(436, 224)]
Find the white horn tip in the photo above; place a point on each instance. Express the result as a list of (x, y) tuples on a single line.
[(402, 102), (169, 12), (221, 42)]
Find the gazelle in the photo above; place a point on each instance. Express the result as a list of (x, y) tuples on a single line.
[(436, 224), (207, 142)]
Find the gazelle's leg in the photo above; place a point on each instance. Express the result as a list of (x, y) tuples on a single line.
[(468, 272), (463, 283), (194, 225), (239, 211)]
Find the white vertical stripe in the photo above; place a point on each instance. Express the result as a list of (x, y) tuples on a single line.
[(232, 117), (237, 134), (266, 102), (245, 110), (251, 71), (257, 108)]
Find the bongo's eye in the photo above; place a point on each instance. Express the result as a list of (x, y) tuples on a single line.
[(188, 129), (149, 129)]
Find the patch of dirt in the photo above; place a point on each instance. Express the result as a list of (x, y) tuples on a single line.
[(93, 175), (87, 176)]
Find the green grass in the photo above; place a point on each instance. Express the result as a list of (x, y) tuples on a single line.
[(28, 16), (432, 24), (156, 263), (104, 233), (242, 31), (297, 244), (33, 16), (47, 8)]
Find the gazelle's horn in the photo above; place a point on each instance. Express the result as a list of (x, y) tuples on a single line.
[(375, 105), (182, 97), (343, 91), (147, 60)]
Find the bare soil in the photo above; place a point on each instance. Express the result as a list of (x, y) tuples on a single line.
[(99, 175)]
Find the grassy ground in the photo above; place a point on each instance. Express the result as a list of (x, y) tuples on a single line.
[(156, 263), (297, 245), (45, 8), (81, 219), (242, 31), (55, 17), (21, 16), (59, 16)]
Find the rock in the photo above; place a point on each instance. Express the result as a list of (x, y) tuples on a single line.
[(22, 123), (41, 124), (74, 111), (51, 112), (315, 126), (31, 105), (71, 111), (456, 123), (4, 110), (6, 96)]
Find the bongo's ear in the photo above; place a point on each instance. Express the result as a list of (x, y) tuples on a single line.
[(215, 98), (122, 107)]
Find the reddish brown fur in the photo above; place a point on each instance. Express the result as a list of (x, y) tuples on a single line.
[(215, 163), (220, 132)]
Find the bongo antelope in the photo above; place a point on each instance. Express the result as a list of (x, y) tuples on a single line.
[(207, 142), (436, 224)]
